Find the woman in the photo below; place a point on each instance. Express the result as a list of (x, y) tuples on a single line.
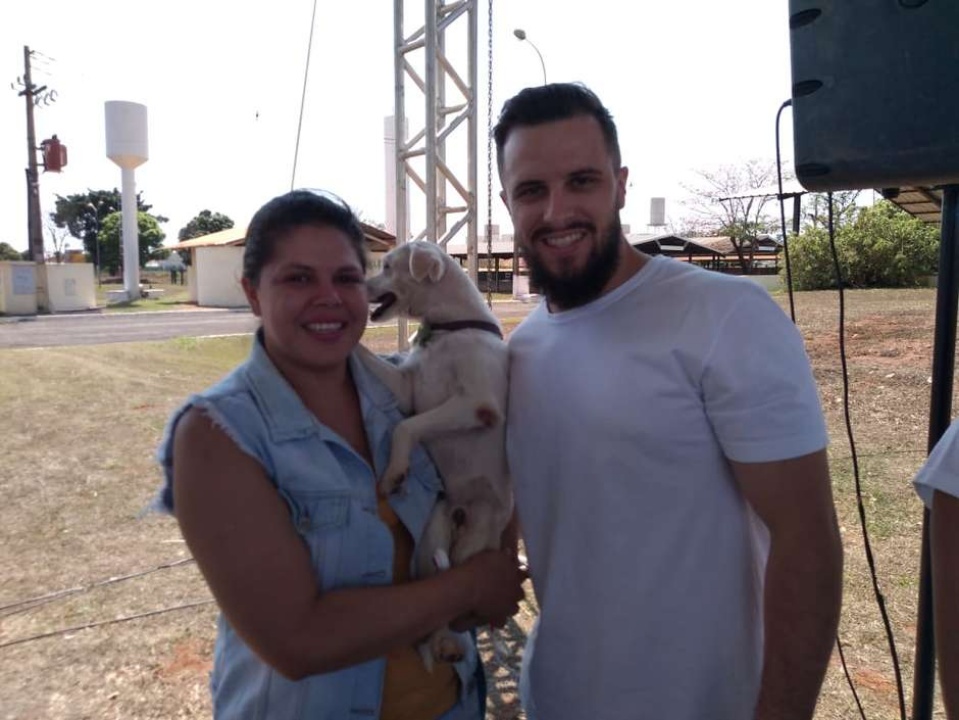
[(272, 476)]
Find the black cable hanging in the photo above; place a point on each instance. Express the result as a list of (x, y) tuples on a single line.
[(880, 599)]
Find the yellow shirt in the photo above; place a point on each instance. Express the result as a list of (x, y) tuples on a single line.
[(410, 692)]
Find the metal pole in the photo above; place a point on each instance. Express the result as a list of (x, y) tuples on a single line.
[(432, 110), (940, 411), (797, 213), (96, 247), (472, 255)]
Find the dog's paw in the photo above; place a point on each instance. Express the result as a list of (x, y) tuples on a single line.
[(441, 560), (447, 647)]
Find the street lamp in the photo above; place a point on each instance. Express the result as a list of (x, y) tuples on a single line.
[(521, 35), (96, 219)]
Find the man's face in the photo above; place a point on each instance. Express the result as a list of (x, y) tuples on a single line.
[(564, 195)]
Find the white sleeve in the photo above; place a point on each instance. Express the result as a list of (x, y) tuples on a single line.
[(941, 469), (758, 387)]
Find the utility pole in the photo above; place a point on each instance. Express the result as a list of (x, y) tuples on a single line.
[(34, 226)]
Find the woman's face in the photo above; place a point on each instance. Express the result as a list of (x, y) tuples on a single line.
[(311, 299)]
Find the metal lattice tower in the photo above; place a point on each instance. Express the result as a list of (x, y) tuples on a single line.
[(440, 157)]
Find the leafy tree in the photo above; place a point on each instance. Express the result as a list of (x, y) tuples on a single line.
[(883, 247), (8, 252), (734, 200), (83, 215), (203, 224), (111, 253), (810, 261)]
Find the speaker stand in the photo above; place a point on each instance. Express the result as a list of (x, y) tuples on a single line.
[(940, 412)]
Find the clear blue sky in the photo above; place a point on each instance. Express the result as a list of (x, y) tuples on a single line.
[(691, 83)]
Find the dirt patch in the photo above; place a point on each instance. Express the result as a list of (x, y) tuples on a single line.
[(191, 656)]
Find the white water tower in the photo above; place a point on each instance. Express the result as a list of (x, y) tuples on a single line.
[(126, 124), (657, 213)]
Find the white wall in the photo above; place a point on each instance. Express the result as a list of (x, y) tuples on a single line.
[(71, 286), (18, 288), (218, 271)]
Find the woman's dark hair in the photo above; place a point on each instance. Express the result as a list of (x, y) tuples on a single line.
[(279, 216), (548, 103)]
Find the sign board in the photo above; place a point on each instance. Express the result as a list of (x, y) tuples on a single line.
[(24, 279)]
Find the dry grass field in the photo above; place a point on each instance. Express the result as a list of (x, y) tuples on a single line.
[(79, 427)]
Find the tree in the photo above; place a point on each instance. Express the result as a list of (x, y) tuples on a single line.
[(733, 200), (83, 215), (882, 247), (59, 238), (203, 224), (8, 252), (150, 238)]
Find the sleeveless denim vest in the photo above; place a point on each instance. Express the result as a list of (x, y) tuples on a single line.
[(330, 492)]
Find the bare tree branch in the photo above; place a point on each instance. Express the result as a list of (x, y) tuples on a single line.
[(733, 201)]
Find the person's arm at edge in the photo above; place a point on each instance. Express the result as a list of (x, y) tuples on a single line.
[(803, 585), (259, 570), (944, 542)]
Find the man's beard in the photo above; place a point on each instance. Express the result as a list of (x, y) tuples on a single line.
[(573, 289)]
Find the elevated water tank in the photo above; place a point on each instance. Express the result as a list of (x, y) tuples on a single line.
[(126, 124)]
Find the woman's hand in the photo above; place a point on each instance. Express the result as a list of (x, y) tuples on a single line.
[(496, 581)]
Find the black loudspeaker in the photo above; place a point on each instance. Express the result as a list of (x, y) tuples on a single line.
[(875, 92)]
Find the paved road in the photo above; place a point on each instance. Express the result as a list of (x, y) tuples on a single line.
[(99, 328)]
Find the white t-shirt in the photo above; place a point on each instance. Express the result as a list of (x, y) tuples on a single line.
[(941, 469), (646, 562)]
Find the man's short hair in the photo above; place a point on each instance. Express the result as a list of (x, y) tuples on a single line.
[(548, 103)]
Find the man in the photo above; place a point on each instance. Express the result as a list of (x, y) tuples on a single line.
[(937, 483), (667, 446)]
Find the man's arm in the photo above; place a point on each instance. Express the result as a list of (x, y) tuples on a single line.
[(945, 595), (803, 586)]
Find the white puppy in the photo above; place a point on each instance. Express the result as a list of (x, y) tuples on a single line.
[(453, 384)]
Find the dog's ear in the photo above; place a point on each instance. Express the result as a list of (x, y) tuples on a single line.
[(426, 262)]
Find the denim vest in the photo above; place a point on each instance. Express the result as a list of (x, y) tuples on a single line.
[(331, 495)]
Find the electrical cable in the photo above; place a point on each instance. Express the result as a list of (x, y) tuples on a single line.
[(880, 600), (849, 431), (306, 73), (35, 602)]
